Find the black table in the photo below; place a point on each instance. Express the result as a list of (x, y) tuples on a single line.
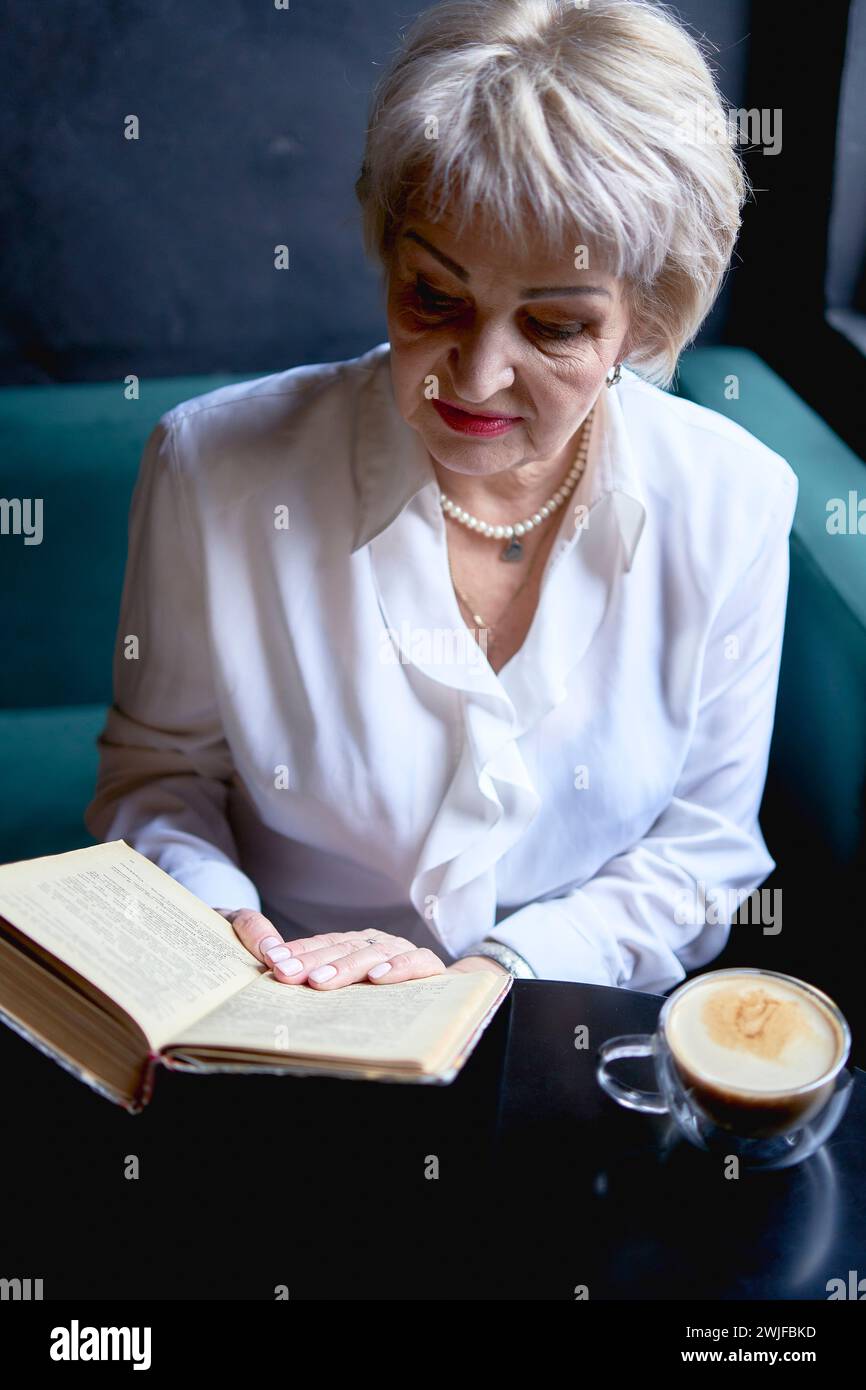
[(641, 1213), (544, 1184)]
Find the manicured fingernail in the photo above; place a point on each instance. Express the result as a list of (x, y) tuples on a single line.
[(278, 953), (324, 972), (379, 970), (267, 942), (289, 967)]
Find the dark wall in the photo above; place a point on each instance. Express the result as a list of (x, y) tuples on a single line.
[(155, 255), (802, 248)]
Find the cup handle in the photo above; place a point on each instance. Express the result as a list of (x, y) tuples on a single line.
[(628, 1045)]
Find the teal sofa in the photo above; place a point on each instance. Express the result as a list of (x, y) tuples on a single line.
[(814, 810), (78, 447)]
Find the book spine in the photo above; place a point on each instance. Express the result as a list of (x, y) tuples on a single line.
[(80, 1073)]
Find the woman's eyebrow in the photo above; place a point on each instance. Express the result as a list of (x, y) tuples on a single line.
[(455, 269), (542, 292)]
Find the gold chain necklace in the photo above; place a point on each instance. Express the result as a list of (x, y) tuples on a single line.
[(476, 617)]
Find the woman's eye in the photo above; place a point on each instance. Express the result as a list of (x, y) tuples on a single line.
[(424, 298), (556, 330), (432, 300)]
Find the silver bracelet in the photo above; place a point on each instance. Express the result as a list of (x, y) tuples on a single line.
[(505, 956)]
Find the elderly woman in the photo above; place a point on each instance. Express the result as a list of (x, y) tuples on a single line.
[(463, 654)]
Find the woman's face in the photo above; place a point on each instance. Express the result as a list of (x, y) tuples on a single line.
[(485, 331)]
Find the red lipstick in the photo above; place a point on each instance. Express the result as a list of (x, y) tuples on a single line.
[(465, 422)]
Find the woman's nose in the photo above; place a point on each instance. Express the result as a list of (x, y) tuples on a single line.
[(481, 364)]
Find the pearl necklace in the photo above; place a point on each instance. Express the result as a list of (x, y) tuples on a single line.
[(514, 549)]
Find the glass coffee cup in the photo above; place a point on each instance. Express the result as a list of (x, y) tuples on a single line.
[(748, 1062)]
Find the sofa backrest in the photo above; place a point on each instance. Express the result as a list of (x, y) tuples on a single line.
[(818, 753), (77, 447)]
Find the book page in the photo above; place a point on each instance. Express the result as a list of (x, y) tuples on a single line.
[(132, 930), (413, 1022)]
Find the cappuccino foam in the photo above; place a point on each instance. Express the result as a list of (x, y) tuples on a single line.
[(753, 1033)]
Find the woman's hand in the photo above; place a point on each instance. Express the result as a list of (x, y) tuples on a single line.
[(334, 958)]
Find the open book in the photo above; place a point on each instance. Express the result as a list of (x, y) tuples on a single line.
[(111, 967)]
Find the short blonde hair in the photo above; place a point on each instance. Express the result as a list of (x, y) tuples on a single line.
[(596, 122)]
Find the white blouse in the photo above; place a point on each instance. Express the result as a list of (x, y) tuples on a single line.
[(302, 722)]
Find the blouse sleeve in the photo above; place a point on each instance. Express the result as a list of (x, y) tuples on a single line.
[(629, 924), (165, 766)]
